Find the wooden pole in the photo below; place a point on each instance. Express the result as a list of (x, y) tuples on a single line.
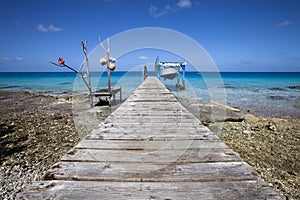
[(84, 43), (108, 71), (145, 72), (107, 61)]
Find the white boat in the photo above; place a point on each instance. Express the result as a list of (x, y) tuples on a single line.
[(168, 72), (171, 70)]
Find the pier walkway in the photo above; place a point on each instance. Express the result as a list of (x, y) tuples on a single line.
[(151, 147)]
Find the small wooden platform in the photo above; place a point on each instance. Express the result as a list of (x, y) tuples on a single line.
[(110, 95), (151, 147)]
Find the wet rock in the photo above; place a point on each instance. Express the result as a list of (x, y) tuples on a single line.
[(251, 118), (297, 106), (253, 90), (277, 98), (213, 112), (294, 87), (227, 86), (277, 89)]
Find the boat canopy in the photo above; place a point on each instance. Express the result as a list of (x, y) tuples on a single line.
[(172, 64)]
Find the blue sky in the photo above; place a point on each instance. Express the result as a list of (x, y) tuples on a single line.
[(239, 35)]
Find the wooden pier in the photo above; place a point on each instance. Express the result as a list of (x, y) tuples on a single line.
[(151, 147)]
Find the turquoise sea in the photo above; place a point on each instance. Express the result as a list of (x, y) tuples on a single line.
[(267, 93)]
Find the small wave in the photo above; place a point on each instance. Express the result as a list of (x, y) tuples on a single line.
[(9, 87), (65, 83)]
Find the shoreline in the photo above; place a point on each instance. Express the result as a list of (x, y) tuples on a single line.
[(37, 129)]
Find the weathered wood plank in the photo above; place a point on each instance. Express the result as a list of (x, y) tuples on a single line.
[(153, 113), (138, 135), (150, 145), (229, 190), (151, 172), (167, 125), (161, 120), (152, 156), (149, 128), (180, 120)]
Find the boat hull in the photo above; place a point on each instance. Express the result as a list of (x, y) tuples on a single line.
[(169, 73)]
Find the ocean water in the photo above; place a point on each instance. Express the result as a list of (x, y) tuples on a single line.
[(266, 93)]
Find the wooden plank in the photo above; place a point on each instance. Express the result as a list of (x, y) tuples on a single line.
[(169, 125), (148, 109), (249, 189), (150, 145), (138, 117), (153, 113), (152, 120), (152, 156), (162, 104), (145, 136), (151, 172), (149, 128)]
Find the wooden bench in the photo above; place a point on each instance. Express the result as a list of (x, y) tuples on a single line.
[(109, 95)]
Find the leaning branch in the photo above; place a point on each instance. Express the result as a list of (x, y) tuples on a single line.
[(83, 44)]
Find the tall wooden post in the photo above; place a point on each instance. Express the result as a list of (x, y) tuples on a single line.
[(107, 61), (108, 71), (145, 72), (83, 43)]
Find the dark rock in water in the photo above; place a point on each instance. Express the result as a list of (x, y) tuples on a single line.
[(277, 98), (294, 87), (65, 83), (253, 90), (297, 106), (9, 87), (226, 86), (277, 88)]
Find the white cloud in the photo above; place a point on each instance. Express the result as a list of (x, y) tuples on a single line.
[(143, 58), (153, 10), (50, 28), (167, 9), (184, 3), (5, 59), (42, 28), (54, 28), (19, 58), (282, 24)]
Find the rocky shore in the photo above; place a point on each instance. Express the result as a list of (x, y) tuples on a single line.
[(268, 143), (36, 130)]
